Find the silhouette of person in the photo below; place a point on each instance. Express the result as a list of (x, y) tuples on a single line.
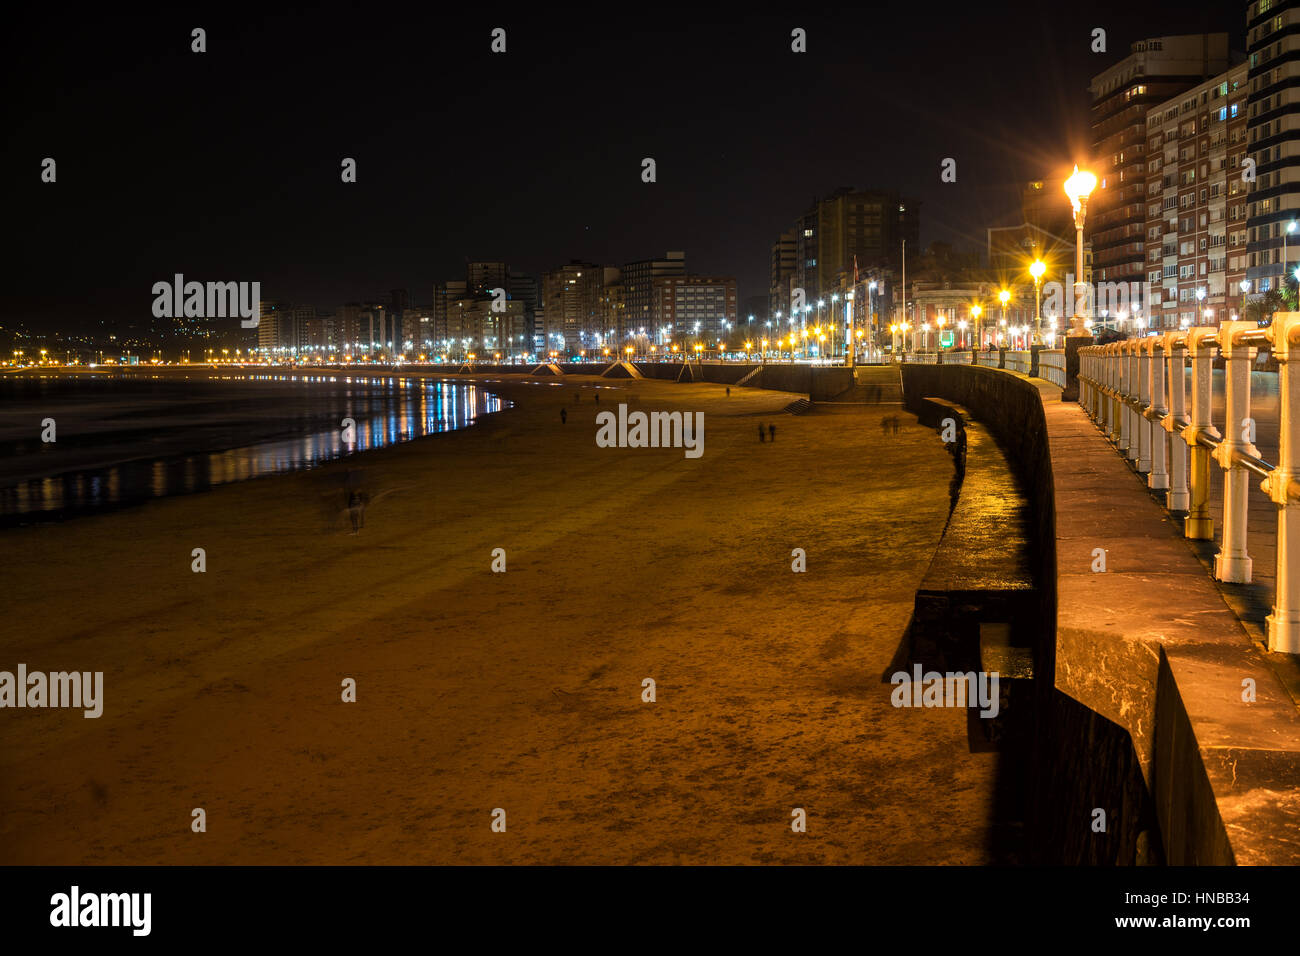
[(728, 391), (597, 397), (564, 416), (761, 434), (771, 431)]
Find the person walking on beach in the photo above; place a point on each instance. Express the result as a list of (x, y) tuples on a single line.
[(564, 416), (771, 432), (728, 391), (357, 509), (761, 437)]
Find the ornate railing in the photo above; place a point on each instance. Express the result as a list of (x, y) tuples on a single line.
[(1137, 393)]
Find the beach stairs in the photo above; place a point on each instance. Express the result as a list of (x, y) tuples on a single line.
[(689, 374), (750, 376), (547, 368), (621, 370), (873, 385), (799, 407)]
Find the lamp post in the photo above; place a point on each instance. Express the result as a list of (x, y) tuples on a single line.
[(1004, 296), (1036, 269), (1077, 188), (975, 312)]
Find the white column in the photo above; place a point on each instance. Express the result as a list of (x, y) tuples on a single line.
[(1159, 475), (1199, 523), (1233, 563), (1284, 622), (1178, 498)]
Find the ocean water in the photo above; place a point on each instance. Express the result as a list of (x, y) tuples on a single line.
[(123, 438)]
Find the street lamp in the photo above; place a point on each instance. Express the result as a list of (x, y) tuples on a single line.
[(1036, 269), (1004, 297), (1078, 187), (975, 312)]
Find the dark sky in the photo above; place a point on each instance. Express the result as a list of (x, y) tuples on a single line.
[(225, 165)]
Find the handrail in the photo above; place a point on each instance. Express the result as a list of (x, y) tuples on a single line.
[(1136, 391)]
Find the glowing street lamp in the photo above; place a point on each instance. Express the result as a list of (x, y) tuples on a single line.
[(1036, 269), (1077, 188)]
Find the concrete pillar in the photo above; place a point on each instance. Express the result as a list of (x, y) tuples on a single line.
[(1158, 477), (1284, 622), (1199, 524), (1233, 563), (1178, 498)]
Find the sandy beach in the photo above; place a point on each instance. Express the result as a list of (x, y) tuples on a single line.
[(519, 690)]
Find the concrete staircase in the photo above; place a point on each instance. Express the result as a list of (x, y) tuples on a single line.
[(873, 385)]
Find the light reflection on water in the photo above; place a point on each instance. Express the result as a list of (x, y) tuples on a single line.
[(387, 410)]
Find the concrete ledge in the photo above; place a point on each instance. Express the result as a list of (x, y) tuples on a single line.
[(1149, 646)]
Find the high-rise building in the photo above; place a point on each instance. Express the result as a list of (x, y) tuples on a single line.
[(444, 294), (277, 332), (482, 277), (638, 280), (785, 254), (694, 308), (571, 296), (850, 228), (1155, 70), (1196, 226), (1273, 139)]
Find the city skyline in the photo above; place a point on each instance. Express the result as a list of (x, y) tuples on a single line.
[(732, 171)]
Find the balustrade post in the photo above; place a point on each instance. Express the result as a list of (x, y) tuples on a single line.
[(1199, 524), (1144, 403), (1284, 622), (1159, 475), (1132, 429), (1233, 563), (1178, 498), (1108, 376), (1127, 444)]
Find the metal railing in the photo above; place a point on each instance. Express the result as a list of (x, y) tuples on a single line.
[(1136, 392)]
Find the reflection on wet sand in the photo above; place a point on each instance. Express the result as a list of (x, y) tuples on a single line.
[(387, 410)]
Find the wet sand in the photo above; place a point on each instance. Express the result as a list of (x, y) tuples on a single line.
[(519, 690)]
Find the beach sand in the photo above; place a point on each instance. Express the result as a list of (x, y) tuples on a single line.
[(519, 690)]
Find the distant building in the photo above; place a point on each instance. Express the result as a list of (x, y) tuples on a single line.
[(694, 307), (1155, 71), (482, 277), (1273, 129), (277, 332), (571, 296), (847, 230), (638, 279), (1196, 207), (785, 254)]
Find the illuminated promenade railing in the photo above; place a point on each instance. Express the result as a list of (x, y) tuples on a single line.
[(1051, 366), (1136, 392), (1018, 361), (1051, 362)]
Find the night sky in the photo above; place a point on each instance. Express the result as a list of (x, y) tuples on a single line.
[(225, 165)]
